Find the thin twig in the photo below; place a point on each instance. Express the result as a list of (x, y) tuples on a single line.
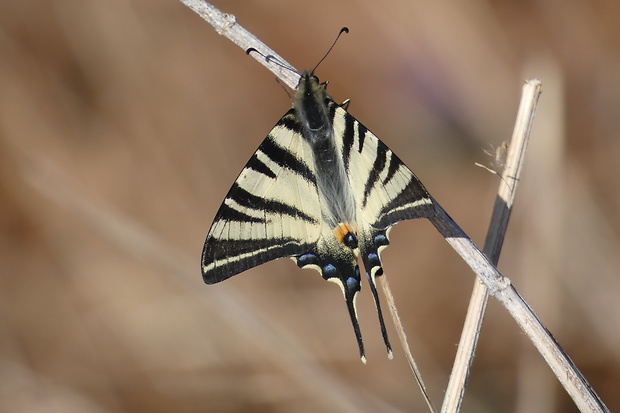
[(570, 377), (226, 25), (493, 244), (499, 286), (402, 336)]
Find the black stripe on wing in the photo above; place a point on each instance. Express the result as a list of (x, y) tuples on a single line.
[(348, 139), (361, 133), (413, 202), (285, 159), (247, 254), (258, 203), (376, 170), (394, 166), (259, 166), (229, 214)]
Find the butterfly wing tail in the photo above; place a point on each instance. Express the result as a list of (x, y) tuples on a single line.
[(370, 248), (343, 270)]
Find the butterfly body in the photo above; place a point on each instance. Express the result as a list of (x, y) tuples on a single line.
[(322, 190)]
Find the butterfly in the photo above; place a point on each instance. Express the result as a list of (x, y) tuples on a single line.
[(321, 189)]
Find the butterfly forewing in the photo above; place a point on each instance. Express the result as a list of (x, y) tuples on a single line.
[(271, 211), (386, 191)]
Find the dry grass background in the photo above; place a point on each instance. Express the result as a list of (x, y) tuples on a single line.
[(123, 124)]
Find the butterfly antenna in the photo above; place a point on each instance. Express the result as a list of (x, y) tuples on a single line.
[(272, 59), (343, 30)]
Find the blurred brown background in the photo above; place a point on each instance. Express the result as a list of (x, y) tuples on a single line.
[(124, 123)]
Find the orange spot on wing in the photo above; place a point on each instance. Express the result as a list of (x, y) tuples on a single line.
[(342, 230)]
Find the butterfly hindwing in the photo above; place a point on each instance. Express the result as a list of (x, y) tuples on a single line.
[(271, 211), (386, 192)]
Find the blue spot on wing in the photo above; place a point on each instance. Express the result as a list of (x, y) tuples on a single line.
[(353, 284), (380, 239), (330, 271), (306, 259)]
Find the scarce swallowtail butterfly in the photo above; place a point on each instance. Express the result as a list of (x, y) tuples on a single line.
[(321, 189)]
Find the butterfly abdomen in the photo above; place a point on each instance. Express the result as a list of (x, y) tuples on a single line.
[(316, 119)]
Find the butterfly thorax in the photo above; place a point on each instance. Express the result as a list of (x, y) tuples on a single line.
[(310, 105)]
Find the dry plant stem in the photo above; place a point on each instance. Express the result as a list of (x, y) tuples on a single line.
[(570, 377), (226, 25), (402, 336), (493, 245), (499, 286)]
